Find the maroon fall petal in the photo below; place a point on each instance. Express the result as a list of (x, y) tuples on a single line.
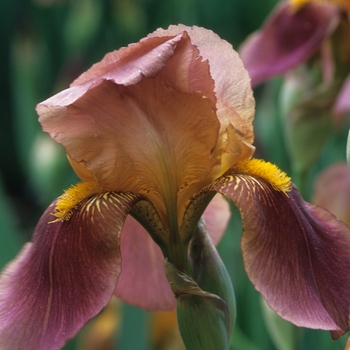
[(65, 276), (296, 254), (288, 38)]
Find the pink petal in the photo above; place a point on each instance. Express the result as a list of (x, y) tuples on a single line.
[(115, 131), (64, 277), (217, 216), (343, 101), (332, 191), (235, 102), (126, 66), (296, 254), (142, 282), (288, 38)]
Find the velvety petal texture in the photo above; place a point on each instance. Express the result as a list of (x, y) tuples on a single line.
[(150, 135), (159, 117), (128, 65), (296, 254), (289, 37), (65, 276), (127, 140), (235, 101)]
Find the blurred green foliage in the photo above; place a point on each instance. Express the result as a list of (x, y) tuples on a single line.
[(45, 44)]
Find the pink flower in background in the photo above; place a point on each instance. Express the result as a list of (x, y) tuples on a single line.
[(332, 191), (343, 100), (295, 33)]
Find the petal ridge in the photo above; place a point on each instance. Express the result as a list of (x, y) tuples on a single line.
[(65, 276), (291, 250)]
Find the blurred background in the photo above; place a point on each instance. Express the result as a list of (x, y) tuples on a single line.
[(46, 44)]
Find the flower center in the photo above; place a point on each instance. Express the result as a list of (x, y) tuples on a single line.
[(265, 170), (72, 197)]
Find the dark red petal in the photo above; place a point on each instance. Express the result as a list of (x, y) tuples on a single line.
[(296, 254), (288, 38), (65, 276)]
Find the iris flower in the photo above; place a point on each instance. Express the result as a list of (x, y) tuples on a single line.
[(300, 31), (154, 131)]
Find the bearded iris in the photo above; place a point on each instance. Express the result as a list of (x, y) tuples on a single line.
[(155, 130)]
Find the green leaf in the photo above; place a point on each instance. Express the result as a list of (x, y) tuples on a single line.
[(134, 330), (210, 272), (284, 334), (307, 117), (241, 341), (202, 316), (10, 242)]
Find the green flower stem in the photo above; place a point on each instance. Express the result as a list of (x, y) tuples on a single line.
[(202, 316), (177, 250), (210, 272), (206, 306)]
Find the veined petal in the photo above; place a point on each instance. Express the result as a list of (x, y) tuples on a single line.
[(145, 138), (235, 102), (65, 276), (168, 129), (128, 65), (168, 89), (186, 70), (230, 150), (289, 37), (296, 254)]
